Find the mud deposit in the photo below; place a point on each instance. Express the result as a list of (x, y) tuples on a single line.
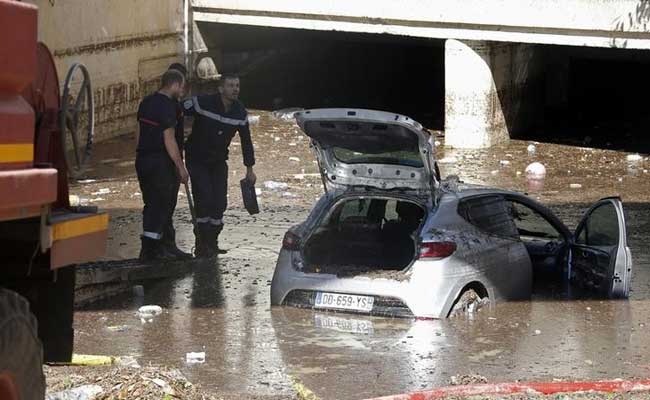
[(222, 307)]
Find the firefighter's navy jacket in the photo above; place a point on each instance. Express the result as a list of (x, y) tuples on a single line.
[(214, 128)]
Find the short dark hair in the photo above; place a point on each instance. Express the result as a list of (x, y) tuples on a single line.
[(225, 77), (170, 77), (179, 67)]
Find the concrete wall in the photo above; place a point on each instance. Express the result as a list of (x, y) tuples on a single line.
[(597, 23), (493, 91), (126, 45)]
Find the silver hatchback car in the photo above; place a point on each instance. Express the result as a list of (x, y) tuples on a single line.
[(390, 238)]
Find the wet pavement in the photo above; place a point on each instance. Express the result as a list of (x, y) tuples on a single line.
[(222, 307)]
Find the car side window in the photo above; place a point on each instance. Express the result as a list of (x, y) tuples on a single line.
[(601, 228), (531, 223), (489, 214)]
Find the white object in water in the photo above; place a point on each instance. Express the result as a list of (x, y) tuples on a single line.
[(536, 170), (195, 358), (253, 119), (146, 313)]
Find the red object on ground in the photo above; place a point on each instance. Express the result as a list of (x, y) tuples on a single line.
[(617, 386)]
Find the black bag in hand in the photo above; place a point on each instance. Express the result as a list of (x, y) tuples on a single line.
[(249, 196)]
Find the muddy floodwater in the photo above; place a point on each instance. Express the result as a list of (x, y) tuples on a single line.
[(253, 350)]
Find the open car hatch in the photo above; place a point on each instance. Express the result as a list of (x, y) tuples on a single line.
[(370, 149)]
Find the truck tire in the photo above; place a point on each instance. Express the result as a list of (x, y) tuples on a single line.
[(21, 354)]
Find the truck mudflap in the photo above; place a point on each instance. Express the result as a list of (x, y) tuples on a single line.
[(77, 238)]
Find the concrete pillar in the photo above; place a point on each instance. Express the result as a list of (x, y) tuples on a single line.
[(492, 91)]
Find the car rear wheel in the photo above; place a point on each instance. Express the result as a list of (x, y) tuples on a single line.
[(21, 353), (468, 302)]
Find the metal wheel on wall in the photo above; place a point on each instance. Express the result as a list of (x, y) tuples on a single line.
[(76, 120)]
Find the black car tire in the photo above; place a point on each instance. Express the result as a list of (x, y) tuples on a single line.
[(21, 353)]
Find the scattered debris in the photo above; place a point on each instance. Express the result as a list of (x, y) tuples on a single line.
[(118, 328), (120, 382), (296, 159), (504, 162), (277, 186), (537, 332), (634, 157), (147, 313), (253, 119), (101, 191), (76, 201), (286, 114), (448, 160), (85, 181), (531, 149), (85, 392), (471, 379), (303, 176), (128, 361), (195, 358), (575, 186)]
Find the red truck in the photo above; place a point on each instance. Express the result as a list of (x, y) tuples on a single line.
[(42, 237)]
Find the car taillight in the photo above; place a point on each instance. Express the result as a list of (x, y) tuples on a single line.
[(436, 249), (291, 241)]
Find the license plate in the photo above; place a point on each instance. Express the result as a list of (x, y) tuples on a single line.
[(343, 301), (343, 324)]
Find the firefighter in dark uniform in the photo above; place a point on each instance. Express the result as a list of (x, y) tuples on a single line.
[(158, 163), (169, 233), (217, 118)]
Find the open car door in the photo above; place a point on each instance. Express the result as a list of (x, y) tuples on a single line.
[(600, 257)]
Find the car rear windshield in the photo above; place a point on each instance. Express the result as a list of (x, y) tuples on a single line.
[(410, 158)]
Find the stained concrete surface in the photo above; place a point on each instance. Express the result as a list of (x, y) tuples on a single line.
[(222, 307)]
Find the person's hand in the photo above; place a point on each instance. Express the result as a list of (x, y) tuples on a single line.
[(183, 175), (250, 175)]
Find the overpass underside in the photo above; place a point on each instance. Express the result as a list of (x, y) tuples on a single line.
[(479, 92)]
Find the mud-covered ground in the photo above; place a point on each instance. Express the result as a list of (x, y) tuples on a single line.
[(252, 350)]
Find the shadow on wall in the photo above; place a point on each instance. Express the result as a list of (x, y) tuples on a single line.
[(519, 82), (636, 20)]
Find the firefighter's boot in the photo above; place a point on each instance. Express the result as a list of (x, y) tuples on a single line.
[(169, 242), (217, 249), (153, 250), (205, 236)]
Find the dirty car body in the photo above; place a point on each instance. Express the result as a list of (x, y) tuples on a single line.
[(389, 238)]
